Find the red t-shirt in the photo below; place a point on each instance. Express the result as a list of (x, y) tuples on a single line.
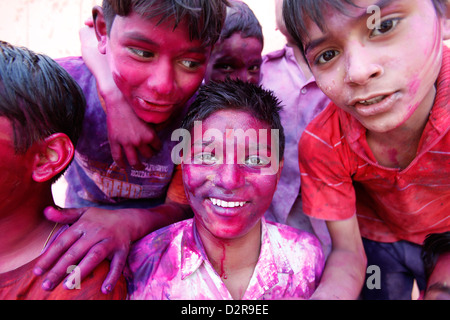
[(340, 176)]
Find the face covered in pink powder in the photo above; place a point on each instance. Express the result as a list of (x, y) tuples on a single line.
[(156, 67), (236, 57), (226, 189), (382, 75)]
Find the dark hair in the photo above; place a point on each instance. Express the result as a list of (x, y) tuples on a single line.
[(237, 95), (240, 18), (433, 246), (205, 18), (38, 96), (296, 12)]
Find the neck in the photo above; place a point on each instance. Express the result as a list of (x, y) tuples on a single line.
[(24, 230), (233, 259)]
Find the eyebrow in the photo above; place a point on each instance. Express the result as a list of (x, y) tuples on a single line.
[(315, 43), (137, 36)]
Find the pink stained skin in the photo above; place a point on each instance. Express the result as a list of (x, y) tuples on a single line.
[(15, 180), (352, 63), (237, 58), (158, 70), (225, 231), (25, 190)]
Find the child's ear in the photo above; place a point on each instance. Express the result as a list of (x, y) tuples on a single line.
[(54, 154), (100, 28)]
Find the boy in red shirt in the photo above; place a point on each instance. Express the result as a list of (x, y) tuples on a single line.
[(378, 156)]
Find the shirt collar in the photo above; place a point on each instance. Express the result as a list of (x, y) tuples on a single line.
[(192, 251), (272, 259)]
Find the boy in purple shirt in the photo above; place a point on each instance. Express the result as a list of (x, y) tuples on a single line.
[(228, 250)]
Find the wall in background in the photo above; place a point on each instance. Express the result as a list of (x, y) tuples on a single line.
[(51, 26)]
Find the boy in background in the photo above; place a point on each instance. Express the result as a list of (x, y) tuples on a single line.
[(436, 257), (237, 53)]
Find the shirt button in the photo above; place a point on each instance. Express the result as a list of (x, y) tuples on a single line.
[(304, 91)]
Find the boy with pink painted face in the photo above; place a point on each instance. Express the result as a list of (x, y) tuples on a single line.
[(375, 162), (237, 53), (228, 250), (157, 52)]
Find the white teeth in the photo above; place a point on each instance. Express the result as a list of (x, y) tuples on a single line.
[(372, 101), (226, 204)]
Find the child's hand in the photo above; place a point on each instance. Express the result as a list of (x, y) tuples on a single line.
[(92, 239), (129, 136)]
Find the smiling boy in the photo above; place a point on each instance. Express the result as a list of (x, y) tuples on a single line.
[(228, 251), (377, 157)]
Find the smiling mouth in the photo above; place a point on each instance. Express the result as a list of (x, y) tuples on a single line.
[(372, 101), (227, 204), (154, 106), (376, 105)]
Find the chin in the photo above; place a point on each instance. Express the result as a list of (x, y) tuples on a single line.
[(154, 117)]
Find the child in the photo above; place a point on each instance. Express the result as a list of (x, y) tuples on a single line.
[(228, 251), (41, 113), (237, 53), (377, 156), (157, 52), (436, 257)]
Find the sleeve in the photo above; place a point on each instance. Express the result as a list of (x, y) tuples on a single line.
[(176, 192), (326, 180)]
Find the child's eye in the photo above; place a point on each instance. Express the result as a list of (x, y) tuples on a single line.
[(385, 27), (257, 161), (254, 68), (327, 56), (189, 64), (141, 53), (224, 67), (205, 158)]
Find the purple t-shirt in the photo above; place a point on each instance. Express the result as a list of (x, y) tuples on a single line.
[(93, 178)]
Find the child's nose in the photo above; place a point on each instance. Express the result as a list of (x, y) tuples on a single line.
[(362, 65), (230, 177), (162, 78)]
